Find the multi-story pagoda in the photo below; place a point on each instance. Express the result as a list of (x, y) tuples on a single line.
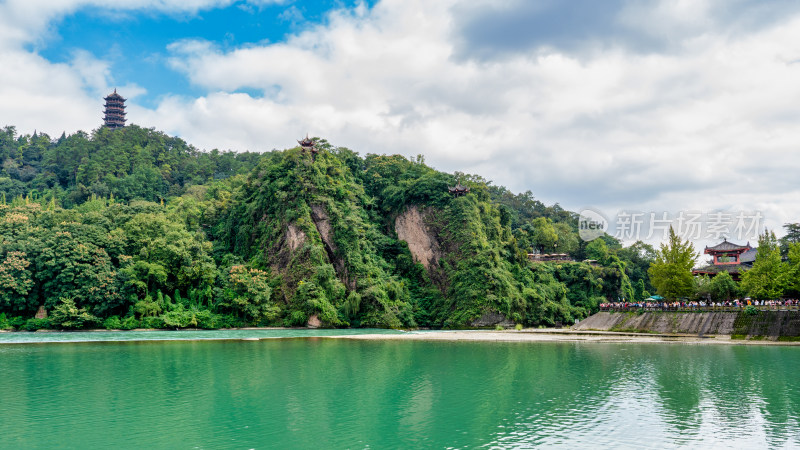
[(308, 144), (115, 111), (728, 257)]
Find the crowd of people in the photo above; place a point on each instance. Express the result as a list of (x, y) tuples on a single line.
[(663, 305)]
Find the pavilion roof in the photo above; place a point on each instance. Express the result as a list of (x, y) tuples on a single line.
[(726, 246), (749, 256), (306, 142)]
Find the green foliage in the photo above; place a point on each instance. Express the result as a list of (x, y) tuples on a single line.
[(637, 258), (147, 308), (17, 322), (702, 287), (597, 250), (112, 220), (671, 272), (16, 282), (767, 278), (722, 287), (792, 237), (640, 293), (323, 208), (67, 315), (130, 323), (545, 237), (792, 273), (249, 295), (37, 324), (153, 322), (182, 317), (112, 323)]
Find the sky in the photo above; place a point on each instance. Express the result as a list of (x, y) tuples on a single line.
[(621, 107)]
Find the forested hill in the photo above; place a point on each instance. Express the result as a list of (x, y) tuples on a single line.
[(132, 228), (130, 163)]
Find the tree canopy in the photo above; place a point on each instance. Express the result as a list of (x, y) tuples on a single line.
[(671, 272)]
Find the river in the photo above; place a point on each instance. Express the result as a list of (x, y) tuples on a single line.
[(297, 389)]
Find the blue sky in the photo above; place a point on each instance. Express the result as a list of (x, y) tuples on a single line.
[(135, 42), (621, 105)]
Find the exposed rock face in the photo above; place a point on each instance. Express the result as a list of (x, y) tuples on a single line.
[(314, 322), (323, 223), (413, 227), (410, 227), (291, 241), (295, 238), (491, 319)]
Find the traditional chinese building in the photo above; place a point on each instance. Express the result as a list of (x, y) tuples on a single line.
[(308, 144), (728, 257), (115, 111), (458, 190)]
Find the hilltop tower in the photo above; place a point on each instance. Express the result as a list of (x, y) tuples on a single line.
[(115, 111)]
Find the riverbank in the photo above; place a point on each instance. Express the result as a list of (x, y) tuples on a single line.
[(257, 334), (562, 335)]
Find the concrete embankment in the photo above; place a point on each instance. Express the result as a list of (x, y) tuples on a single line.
[(762, 324)]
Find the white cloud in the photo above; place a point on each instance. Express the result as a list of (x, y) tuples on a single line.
[(709, 124), (38, 94)]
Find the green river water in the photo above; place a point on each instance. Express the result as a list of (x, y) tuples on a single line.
[(149, 390)]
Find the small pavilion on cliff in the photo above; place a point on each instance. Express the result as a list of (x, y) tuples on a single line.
[(728, 257), (458, 190), (308, 144)]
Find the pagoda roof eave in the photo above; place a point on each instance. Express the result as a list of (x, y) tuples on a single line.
[(726, 246)]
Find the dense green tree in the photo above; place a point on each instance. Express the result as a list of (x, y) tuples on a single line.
[(637, 258), (767, 278), (792, 237), (722, 287), (702, 287), (640, 292), (792, 274), (545, 236), (597, 250), (671, 272), (250, 295), (16, 282), (66, 314)]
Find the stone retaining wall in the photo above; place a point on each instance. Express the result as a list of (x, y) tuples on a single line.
[(769, 324)]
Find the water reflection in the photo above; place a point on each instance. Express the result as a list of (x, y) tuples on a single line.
[(313, 392)]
